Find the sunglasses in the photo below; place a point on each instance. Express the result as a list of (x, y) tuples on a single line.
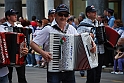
[(61, 14)]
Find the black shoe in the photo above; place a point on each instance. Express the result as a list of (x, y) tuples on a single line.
[(82, 73), (42, 66)]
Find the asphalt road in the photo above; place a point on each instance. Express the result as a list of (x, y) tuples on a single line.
[(38, 75)]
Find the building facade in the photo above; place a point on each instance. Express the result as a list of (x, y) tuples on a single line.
[(30, 7)]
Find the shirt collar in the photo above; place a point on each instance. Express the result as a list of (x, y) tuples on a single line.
[(55, 23), (91, 22), (10, 24)]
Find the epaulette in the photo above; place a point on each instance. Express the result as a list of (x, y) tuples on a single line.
[(4, 24), (85, 24)]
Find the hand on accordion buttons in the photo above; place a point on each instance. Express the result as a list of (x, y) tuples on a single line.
[(47, 56), (24, 50), (93, 49)]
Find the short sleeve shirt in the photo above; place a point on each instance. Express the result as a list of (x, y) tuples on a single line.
[(43, 36)]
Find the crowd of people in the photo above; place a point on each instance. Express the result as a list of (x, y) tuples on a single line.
[(37, 50)]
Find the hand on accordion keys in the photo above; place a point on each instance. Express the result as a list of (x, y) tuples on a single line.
[(24, 49), (47, 56), (93, 49)]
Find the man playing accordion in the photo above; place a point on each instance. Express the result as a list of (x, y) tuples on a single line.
[(88, 25), (59, 25), (11, 17)]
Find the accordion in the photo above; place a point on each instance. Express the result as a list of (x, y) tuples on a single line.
[(10, 46), (71, 52), (26, 31), (100, 34)]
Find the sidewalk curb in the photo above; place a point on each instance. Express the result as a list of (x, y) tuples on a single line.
[(107, 69)]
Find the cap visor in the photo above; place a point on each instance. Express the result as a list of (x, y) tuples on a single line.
[(93, 10), (63, 11)]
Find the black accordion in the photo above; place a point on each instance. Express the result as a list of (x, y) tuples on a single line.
[(100, 34), (25, 31)]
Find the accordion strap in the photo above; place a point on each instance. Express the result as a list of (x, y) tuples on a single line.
[(57, 28)]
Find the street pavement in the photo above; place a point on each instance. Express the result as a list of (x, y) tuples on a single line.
[(38, 75)]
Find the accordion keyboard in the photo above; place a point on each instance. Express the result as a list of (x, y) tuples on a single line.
[(55, 51)]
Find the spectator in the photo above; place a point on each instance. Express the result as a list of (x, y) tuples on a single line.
[(99, 19), (118, 26), (29, 58), (38, 56), (105, 21), (2, 20), (111, 18), (23, 21), (34, 22), (105, 13), (119, 61), (71, 21), (108, 57), (81, 17)]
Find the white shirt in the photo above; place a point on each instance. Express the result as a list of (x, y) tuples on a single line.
[(122, 35), (43, 36), (37, 31), (82, 29), (7, 28)]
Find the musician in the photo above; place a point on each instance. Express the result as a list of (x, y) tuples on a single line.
[(51, 15), (60, 21), (11, 17), (93, 75)]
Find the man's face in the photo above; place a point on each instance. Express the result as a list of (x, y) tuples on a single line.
[(51, 17), (61, 17), (105, 12), (12, 18), (80, 18), (108, 14), (91, 15), (20, 19)]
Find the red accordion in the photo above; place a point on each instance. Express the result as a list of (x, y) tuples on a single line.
[(112, 37), (10, 49)]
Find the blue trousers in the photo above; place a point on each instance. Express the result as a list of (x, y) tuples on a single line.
[(4, 79), (30, 59), (61, 77), (119, 63)]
